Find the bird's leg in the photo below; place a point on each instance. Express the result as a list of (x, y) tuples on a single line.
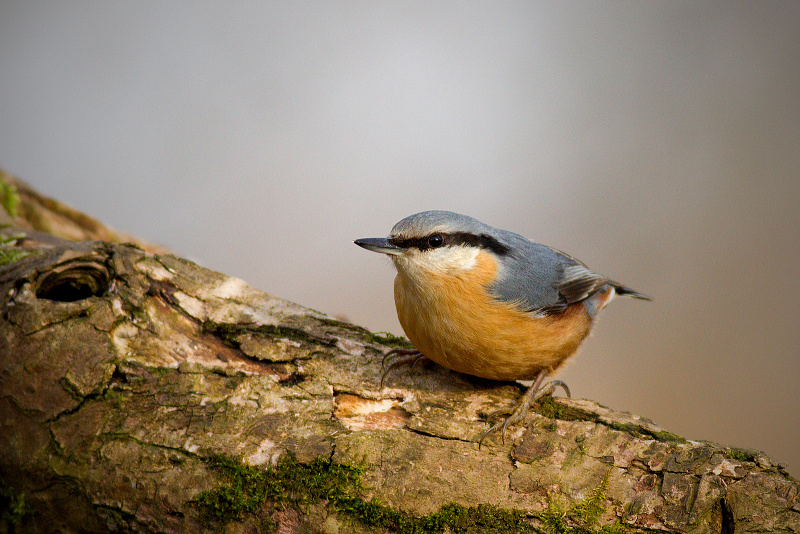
[(534, 393), (401, 357)]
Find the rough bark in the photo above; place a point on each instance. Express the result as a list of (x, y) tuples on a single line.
[(124, 374)]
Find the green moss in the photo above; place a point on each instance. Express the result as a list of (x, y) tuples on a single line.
[(742, 455), (583, 517), (758, 458), (590, 509), (250, 489), (549, 407), (114, 396), (231, 332), (381, 338), (9, 254), (288, 482), (665, 436), (9, 198), (642, 432), (386, 338), (13, 505)]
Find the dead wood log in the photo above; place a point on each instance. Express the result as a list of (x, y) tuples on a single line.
[(140, 392)]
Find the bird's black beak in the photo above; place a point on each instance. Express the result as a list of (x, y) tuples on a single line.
[(379, 244)]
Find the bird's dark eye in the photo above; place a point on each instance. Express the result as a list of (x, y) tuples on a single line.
[(435, 241)]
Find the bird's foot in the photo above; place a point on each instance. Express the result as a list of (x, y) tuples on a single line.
[(398, 357), (533, 394)]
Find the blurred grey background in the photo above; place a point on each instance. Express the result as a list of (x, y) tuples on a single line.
[(657, 142)]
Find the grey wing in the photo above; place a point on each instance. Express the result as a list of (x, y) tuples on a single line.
[(542, 280), (579, 283)]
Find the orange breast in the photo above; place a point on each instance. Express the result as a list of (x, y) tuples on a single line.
[(455, 322)]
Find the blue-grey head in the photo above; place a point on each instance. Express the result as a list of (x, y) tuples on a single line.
[(430, 230)]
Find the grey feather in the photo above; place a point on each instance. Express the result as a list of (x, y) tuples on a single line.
[(540, 279)]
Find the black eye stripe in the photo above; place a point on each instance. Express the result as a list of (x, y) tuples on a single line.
[(454, 239), (411, 242)]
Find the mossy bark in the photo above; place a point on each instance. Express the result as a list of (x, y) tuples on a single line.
[(122, 372)]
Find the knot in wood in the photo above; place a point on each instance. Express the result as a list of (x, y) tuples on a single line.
[(73, 281)]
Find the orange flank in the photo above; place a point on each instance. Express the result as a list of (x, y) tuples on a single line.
[(453, 320)]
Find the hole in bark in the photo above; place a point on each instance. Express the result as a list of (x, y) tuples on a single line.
[(292, 379), (728, 523), (73, 283), (118, 377)]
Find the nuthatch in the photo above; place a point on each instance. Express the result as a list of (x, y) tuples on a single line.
[(489, 302)]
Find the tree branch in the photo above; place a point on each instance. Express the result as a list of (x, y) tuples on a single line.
[(142, 392)]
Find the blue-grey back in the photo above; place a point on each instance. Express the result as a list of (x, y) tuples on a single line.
[(536, 277), (531, 274)]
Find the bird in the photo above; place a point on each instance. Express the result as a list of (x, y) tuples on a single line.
[(489, 302)]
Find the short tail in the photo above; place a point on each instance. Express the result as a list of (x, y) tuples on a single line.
[(622, 290)]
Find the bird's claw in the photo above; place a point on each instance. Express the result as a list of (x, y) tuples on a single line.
[(533, 394), (398, 352), (550, 388), (401, 357)]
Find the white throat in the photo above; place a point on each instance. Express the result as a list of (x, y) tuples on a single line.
[(437, 261)]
